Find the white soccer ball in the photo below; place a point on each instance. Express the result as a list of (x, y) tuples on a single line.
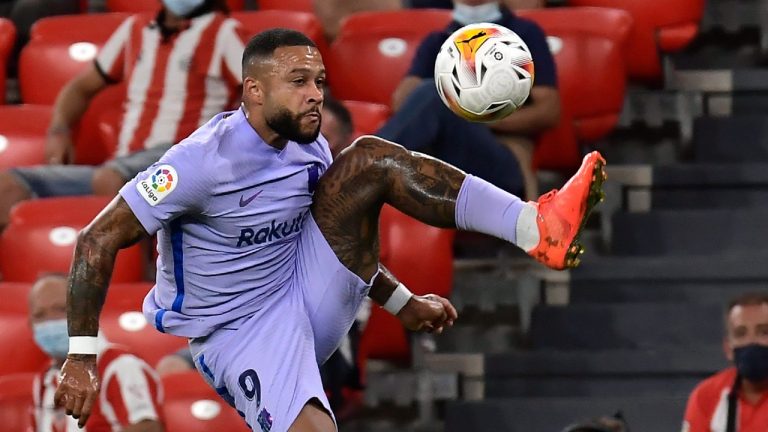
[(484, 72)]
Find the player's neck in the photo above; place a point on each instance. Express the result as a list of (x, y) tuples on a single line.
[(753, 391), (259, 124)]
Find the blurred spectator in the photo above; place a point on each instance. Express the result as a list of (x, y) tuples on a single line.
[(24, 13), (500, 152), (180, 361), (336, 126), (129, 398), (736, 399), (185, 69), (616, 423)]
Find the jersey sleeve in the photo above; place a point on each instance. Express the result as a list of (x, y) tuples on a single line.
[(131, 390), (230, 46), (423, 63), (695, 419), (111, 58), (177, 184)]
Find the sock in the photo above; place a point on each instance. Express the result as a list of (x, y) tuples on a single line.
[(485, 208)]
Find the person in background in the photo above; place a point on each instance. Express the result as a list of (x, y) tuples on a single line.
[(181, 67), (736, 399), (501, 152), (337, 126), (129, 397)]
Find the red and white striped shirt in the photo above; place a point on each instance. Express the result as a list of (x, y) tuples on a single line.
[(130, 392), (176, 83)]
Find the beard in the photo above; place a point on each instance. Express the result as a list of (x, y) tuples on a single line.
[(289, 126)]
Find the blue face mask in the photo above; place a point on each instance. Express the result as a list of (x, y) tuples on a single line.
[(52, 337), (182, 8), (752, 362), (465, 14)]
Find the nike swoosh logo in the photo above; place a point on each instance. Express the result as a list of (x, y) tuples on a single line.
[(245, 202)]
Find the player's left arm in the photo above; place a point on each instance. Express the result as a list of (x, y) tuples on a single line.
[(430, 312), (116, 227)]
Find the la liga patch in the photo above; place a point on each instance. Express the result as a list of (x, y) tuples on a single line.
[(158, 184)]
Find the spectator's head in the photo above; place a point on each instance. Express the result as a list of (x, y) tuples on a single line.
[(283, 80), (48, 315), (191, 8), (746, 339), (337, 125), (476, 11), (615, 423)]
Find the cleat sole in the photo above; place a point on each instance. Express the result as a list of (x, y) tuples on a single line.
[(595, 196)]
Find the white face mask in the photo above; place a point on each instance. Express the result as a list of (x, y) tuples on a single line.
[(465, 14), (182, 7)]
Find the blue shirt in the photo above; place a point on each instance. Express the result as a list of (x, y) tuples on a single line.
[(423, 65)]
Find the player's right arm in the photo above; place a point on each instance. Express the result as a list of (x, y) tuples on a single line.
[(116, 227)]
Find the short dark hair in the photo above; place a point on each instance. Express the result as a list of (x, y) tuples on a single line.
[(265, 43), (746, 299), (341, 112)]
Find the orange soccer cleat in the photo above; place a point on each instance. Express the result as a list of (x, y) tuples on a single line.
[(563, 213)]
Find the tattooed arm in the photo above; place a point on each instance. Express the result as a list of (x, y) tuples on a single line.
[(430, 312), (116, 227)]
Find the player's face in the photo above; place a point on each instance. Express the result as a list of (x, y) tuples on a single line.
[(747, 325), (294, 101), (48, 300)]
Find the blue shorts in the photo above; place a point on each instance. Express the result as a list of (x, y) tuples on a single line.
[(46, 181), (267, 366)]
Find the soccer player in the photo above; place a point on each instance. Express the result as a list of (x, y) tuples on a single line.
[(267, 250)]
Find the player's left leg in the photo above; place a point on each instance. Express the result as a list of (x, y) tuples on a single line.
[(375, 171)]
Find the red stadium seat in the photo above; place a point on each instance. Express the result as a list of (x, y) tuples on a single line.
[(123, 323), (576, 34), (367, 117), (7, 39), (16, 402), (41, 236), (424, 269), (97, 134), (191, 405), (22, 134), (292, 5), (137, 6), (60, 47), (20, 353), (374, 51), (258, 21), (660, 26)]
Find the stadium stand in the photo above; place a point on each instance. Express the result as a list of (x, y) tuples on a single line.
[(138, 6), (22, 355), (22, 134), (367, 117), (292, 5), (257, 21), (7, 39), (16, 401)]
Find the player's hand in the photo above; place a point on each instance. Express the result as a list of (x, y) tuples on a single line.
[(78, 388), (59, 146), (430, 313)]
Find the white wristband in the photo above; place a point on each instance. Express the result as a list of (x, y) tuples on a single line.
[(398, 299), (82, 345)]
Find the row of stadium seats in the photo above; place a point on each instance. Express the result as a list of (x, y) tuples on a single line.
[(189, 404)]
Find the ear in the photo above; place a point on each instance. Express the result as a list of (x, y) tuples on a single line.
[(728, 349), (253, 89)]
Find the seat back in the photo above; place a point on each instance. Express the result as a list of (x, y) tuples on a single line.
[(367, 117), (660, 26), (23, 130), (374, 51), (191, 405), (292, 5), (20, 353), (16, 402), (136, 6), (425, 269), (123, 323), (575, 34), (60, 47), (41, 237), (7, 39), (305, 22)]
